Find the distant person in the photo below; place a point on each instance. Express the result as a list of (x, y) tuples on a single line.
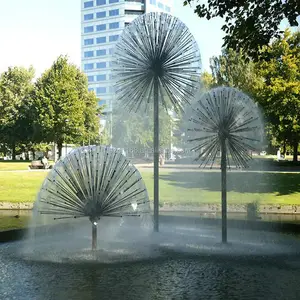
[(45, 162)]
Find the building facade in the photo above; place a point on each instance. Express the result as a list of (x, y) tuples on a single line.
[(102, 22)]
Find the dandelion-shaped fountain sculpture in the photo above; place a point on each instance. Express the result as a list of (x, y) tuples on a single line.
[(225, 120), (157, 62), (93, 182)]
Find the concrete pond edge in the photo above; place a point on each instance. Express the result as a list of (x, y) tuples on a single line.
[(203, 208)]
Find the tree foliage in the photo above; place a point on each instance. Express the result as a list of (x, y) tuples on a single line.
[(135, 131), (249, 24), (235, 69), (65, 109), (280, 94), (16, 84)]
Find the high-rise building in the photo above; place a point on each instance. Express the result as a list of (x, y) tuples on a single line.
[(102, 22)]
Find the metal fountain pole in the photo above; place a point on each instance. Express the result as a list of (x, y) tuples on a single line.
[(94, 235), (156, 155), (224, 189)]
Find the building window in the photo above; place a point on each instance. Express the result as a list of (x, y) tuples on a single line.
[(88, 29), (101, 14), (88, 67), (88, 54), (167, 8), (101, 52), (101, 65), (88, 42), (153, 2), (101, 40), (111, 89), (88, 17), (111, 51), (113, 1), (133, 12), (90, 78), (101, 2), (138, 1), (88, 4), (90, 89), (101, 27), (114, 25), (102, 102), (101, 90), (113, 38), (101, 77), (160, 5), (113, 12)]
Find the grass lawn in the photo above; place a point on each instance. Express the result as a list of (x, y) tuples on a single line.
[(181, 188), (20, 186), (14, 165)]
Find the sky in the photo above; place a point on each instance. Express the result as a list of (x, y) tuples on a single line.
[(36, 32)]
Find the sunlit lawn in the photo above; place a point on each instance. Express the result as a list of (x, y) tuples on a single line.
[(180, 188), (14, 165)]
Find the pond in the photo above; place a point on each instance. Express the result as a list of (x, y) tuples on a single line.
[(180, 262)]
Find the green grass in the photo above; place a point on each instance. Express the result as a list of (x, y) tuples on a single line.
[(181, 188), (20, 186), (14, 165)]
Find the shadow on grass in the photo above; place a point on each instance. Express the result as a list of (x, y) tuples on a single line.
[(242, 182)]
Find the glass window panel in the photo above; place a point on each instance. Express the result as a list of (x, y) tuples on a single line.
[(88, 66), (88, 42), (101, 52), (101, 77), (101, 40), (88, 29), (101, 27), (90, 78), (88, 4), (88, 17), (101, 2), (101, 90), (88, 54), (101, 14), (114, 25), (113, 12), (113, 38), (101, 65)]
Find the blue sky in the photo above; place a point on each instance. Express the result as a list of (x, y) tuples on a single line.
[(36, 32)]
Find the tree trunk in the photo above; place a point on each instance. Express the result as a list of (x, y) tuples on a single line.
[(284, 147), (295, 150), (13, 151), (59, 148)]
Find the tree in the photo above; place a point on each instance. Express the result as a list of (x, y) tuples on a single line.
[(280, 95), (249, 24), (134, 131), (15, 124), (236, 69), (65, 109)]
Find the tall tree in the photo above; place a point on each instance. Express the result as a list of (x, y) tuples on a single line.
[(134, 131), (280, 95), (65, 110), (235, 69), (249, 24), (15, 88)]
